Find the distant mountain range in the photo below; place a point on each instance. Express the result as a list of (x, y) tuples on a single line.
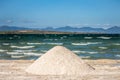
[(112, 30), (12, 28)]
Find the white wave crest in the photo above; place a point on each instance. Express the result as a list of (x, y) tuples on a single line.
[(13, 56), (78, 51), (87, 43), (22, 47), (6, 43), (102, 47), (79, 43), (55, 43), (34, 43), (33, 54), (1, 50), (55, 39), (116, 44), (88, 37), (23, 51), (92, 52), (103, 37), (47, 43), (118, 55), (14, 53)]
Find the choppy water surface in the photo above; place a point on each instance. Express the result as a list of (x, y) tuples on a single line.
[(90, 46)]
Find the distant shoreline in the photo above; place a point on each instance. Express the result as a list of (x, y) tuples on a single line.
[(46, 32)]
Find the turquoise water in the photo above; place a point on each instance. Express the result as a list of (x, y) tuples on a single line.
[(87, 46)]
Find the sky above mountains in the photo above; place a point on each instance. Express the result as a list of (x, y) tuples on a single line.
[(57, 13)]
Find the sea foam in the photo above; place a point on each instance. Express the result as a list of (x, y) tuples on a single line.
[(116, 44), (87, 43), (102, 47), (24, 53), (1, 50), (33, 54), (33, 43), (55, 43), (13, 56), (14, 53), (88, 37), (118, 55), (78, 51), (103, 37), (6, 43), (22, 47)]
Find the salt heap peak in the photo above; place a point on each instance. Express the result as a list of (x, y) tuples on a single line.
[(59, 61)]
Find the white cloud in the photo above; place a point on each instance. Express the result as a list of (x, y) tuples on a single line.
[(9, 21)]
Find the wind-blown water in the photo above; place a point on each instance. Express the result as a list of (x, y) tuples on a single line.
[(90, 46)]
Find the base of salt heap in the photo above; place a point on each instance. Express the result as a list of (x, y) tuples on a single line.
[(59, 61)]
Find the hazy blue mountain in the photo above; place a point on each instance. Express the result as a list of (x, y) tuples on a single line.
[(66, 28), (48, 29), (72, 29), (12, 28), (89, 29), (114, 29)]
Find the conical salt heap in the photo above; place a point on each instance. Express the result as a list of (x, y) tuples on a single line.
[(59, 61)]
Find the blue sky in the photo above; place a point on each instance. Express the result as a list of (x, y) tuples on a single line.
[(57, 13)]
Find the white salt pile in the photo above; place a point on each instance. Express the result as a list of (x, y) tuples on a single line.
[(59, 61)]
